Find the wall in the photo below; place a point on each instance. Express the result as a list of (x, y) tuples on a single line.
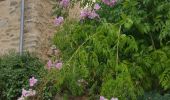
[(38, 25), (9, 25)]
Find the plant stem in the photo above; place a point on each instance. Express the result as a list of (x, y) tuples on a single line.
[(153, 44), (117, 49)]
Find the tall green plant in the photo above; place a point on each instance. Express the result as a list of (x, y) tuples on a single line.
[(123, 54)]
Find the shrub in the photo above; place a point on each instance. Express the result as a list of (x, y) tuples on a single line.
[(123, 54), (154, 96), (15, 71)]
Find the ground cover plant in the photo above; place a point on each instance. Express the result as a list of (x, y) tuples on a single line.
[(119, 48)]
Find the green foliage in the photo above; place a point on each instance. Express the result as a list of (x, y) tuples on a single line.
[(154, 96), (123, 54), (15, 71)]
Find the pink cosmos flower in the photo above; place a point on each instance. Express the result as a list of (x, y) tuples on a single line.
[(114, 98), (32, 81), (64, 3), (93, 15), (109, 2), (96, 6), (59, 65), (58, 21), (49, 64)]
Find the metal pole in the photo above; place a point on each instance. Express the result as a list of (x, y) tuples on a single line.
[(21, 28)]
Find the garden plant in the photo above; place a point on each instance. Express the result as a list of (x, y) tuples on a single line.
[(15, 71), (118, 48), (115, 50)]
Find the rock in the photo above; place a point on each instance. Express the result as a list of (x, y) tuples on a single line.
[(2, 0), (13, 3), (3, 23)]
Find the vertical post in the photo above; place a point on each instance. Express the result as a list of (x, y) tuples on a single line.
[(21, 28)]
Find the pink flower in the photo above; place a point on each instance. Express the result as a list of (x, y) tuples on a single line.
[(84, 13), (64, 3), (114, 98), (103, 98), (88, 14), (49, 64), (58, 21), (96, 6), (32, 81), (109, 2), (106, 2), (24, 93), (28, 93), (93, 15), (112, 3), (59, 65), (31, 92)]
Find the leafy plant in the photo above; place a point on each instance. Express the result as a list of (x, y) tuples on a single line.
[(154, 96), (15, 70), (123, 54)]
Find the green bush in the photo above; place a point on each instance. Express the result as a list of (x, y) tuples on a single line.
[(123, 54), (15, 71), (154, 96)]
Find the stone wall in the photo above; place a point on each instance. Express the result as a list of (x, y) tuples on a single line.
[(38, 25), (9, 25)]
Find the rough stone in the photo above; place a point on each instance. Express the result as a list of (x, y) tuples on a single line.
[(3, 23), (37, 19), (13, 3)]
